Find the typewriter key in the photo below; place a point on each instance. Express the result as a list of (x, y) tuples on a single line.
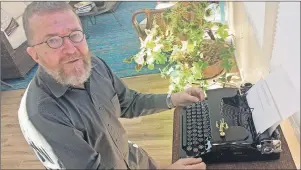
[(194, 138), (194, 130), (189, 148), (188, 120), (188, 117), (195, 149), (200, 139), (201, 147), (199, 123), (206, 130), (189, 143), (200, 135), (189, 131), (195, 142), (189, 139), (194, 134), (188, 127)]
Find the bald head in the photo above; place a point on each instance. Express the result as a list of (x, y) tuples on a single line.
[(40, 8)]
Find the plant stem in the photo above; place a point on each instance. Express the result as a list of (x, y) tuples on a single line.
[(211, 34)]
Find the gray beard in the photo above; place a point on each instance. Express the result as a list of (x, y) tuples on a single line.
[(61, 78)]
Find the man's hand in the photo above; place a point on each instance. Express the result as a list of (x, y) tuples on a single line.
[(188, 96), (188, 163)]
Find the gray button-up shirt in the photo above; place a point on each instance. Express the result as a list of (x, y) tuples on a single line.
[(76, 128)]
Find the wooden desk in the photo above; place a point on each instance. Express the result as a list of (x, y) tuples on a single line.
[(285, 162)]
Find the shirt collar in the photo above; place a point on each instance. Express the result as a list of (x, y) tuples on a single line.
[(56, 88)]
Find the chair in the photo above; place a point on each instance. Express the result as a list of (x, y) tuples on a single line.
[(151, 15)]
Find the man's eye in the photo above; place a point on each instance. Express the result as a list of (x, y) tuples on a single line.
[(75, 35), (53, 40)]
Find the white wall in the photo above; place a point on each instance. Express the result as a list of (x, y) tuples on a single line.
[(286, 51), (267, 35)]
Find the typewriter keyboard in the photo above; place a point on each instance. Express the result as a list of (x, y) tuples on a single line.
[(197, 129)]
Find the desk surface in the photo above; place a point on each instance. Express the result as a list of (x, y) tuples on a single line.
[(285, 162)]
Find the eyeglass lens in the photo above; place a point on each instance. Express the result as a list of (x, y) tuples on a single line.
[(57, 41)]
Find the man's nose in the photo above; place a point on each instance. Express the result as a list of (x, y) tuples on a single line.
[(68, 46)]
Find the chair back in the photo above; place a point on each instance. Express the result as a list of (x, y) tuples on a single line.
[(151, 15)]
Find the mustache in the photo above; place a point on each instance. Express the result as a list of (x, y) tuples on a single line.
[(72, 58)]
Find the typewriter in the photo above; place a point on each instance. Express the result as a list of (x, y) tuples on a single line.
[(221, 129)]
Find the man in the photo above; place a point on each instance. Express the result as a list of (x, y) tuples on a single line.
[(69, 112)]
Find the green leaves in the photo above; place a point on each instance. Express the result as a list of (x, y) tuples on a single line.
[(223, 32), (190, 46), (129, 60), (150, 44), (150, 66), (225, 56), (227, 64), (197, 69), (184, 63), (161, 58)]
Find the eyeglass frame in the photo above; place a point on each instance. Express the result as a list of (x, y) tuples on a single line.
[(63, 39)]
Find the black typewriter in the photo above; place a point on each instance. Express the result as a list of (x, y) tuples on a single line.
[(221, 129)]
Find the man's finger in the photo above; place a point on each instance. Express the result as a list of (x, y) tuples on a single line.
[(197, 92), (201, 165), (191, 161), (191, 98)]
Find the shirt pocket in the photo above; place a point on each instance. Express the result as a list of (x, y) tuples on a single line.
[(116, 104)]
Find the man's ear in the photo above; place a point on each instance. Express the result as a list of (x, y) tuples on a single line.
[(32, 52)]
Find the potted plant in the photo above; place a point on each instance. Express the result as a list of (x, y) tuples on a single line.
[(186, 46)]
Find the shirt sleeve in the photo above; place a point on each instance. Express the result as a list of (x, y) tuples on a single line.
[(56, 143), (133, 103)]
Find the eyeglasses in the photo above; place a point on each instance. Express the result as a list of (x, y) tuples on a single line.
[(57, 41)]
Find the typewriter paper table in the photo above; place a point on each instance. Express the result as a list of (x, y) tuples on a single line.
[(285, 162)]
